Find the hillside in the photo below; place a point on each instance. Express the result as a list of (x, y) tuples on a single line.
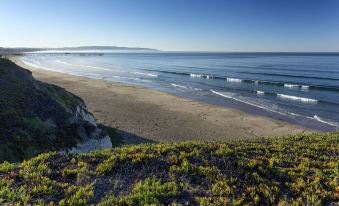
[(37, 117), (293, 170), (7, 51), (104, 48)]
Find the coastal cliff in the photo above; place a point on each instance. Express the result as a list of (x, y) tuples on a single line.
[(37, 117)]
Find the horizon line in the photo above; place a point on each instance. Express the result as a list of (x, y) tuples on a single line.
[(161, 50)]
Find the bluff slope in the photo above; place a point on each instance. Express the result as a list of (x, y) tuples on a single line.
[(37, 117), (294, 170)]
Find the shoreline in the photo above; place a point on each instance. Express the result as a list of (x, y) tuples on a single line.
[(162, 117)]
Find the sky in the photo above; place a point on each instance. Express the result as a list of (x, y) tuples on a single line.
[(173, 25)]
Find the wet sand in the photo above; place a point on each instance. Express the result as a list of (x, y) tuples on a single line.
[(162, 117)]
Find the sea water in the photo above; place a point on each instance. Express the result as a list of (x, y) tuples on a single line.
[(301, 88)]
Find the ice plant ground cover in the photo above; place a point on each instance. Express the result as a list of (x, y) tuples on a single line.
[(293, 170)]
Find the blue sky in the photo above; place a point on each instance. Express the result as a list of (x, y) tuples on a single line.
[(175, 25)]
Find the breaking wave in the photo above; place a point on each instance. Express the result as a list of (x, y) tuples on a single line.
[(185, 87), (260, 92), (291, 85), (147, 74), (246, 102), (178, 85), (128, 78), (305, 87), (334, 124), (229, 79), (315, 117), (295, 98), (201, 76)]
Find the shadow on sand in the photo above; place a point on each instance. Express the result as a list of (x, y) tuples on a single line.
[(120, 137), (129, 138)]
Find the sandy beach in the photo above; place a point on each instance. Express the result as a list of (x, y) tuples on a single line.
[(159, 116)]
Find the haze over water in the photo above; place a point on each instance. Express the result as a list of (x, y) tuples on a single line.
[(297, 87)]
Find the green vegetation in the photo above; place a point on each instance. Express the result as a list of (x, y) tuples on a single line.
[(293, 170), (148, 192)]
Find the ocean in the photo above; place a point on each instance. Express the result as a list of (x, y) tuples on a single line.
[(301, 88)]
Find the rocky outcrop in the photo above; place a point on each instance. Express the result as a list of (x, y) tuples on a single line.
[(87, 127), (37, 117), (90, 145), (82, 114)]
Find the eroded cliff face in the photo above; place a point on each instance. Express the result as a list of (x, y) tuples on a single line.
[(36, 117), (82, 114), (87, 127)]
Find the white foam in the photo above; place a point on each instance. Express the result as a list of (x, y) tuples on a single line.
[(128, 78), (93, 67), (201, 76), (325, 122), (90, 74), (315, 117), (196, 75), (291, 85), (86, 66), (122, 77), (247, 102), (102, 68), (62, 62), (36, 64), (233, 80), (178, 85), (147, 74), (30, 63), (295, 98), (305, 87), (296, 86), (186, 87)]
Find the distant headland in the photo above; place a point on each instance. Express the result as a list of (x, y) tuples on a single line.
[(15, 50)]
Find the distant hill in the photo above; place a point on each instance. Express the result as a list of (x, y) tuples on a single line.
[(104, 48), (37, 117), (4, 51)]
